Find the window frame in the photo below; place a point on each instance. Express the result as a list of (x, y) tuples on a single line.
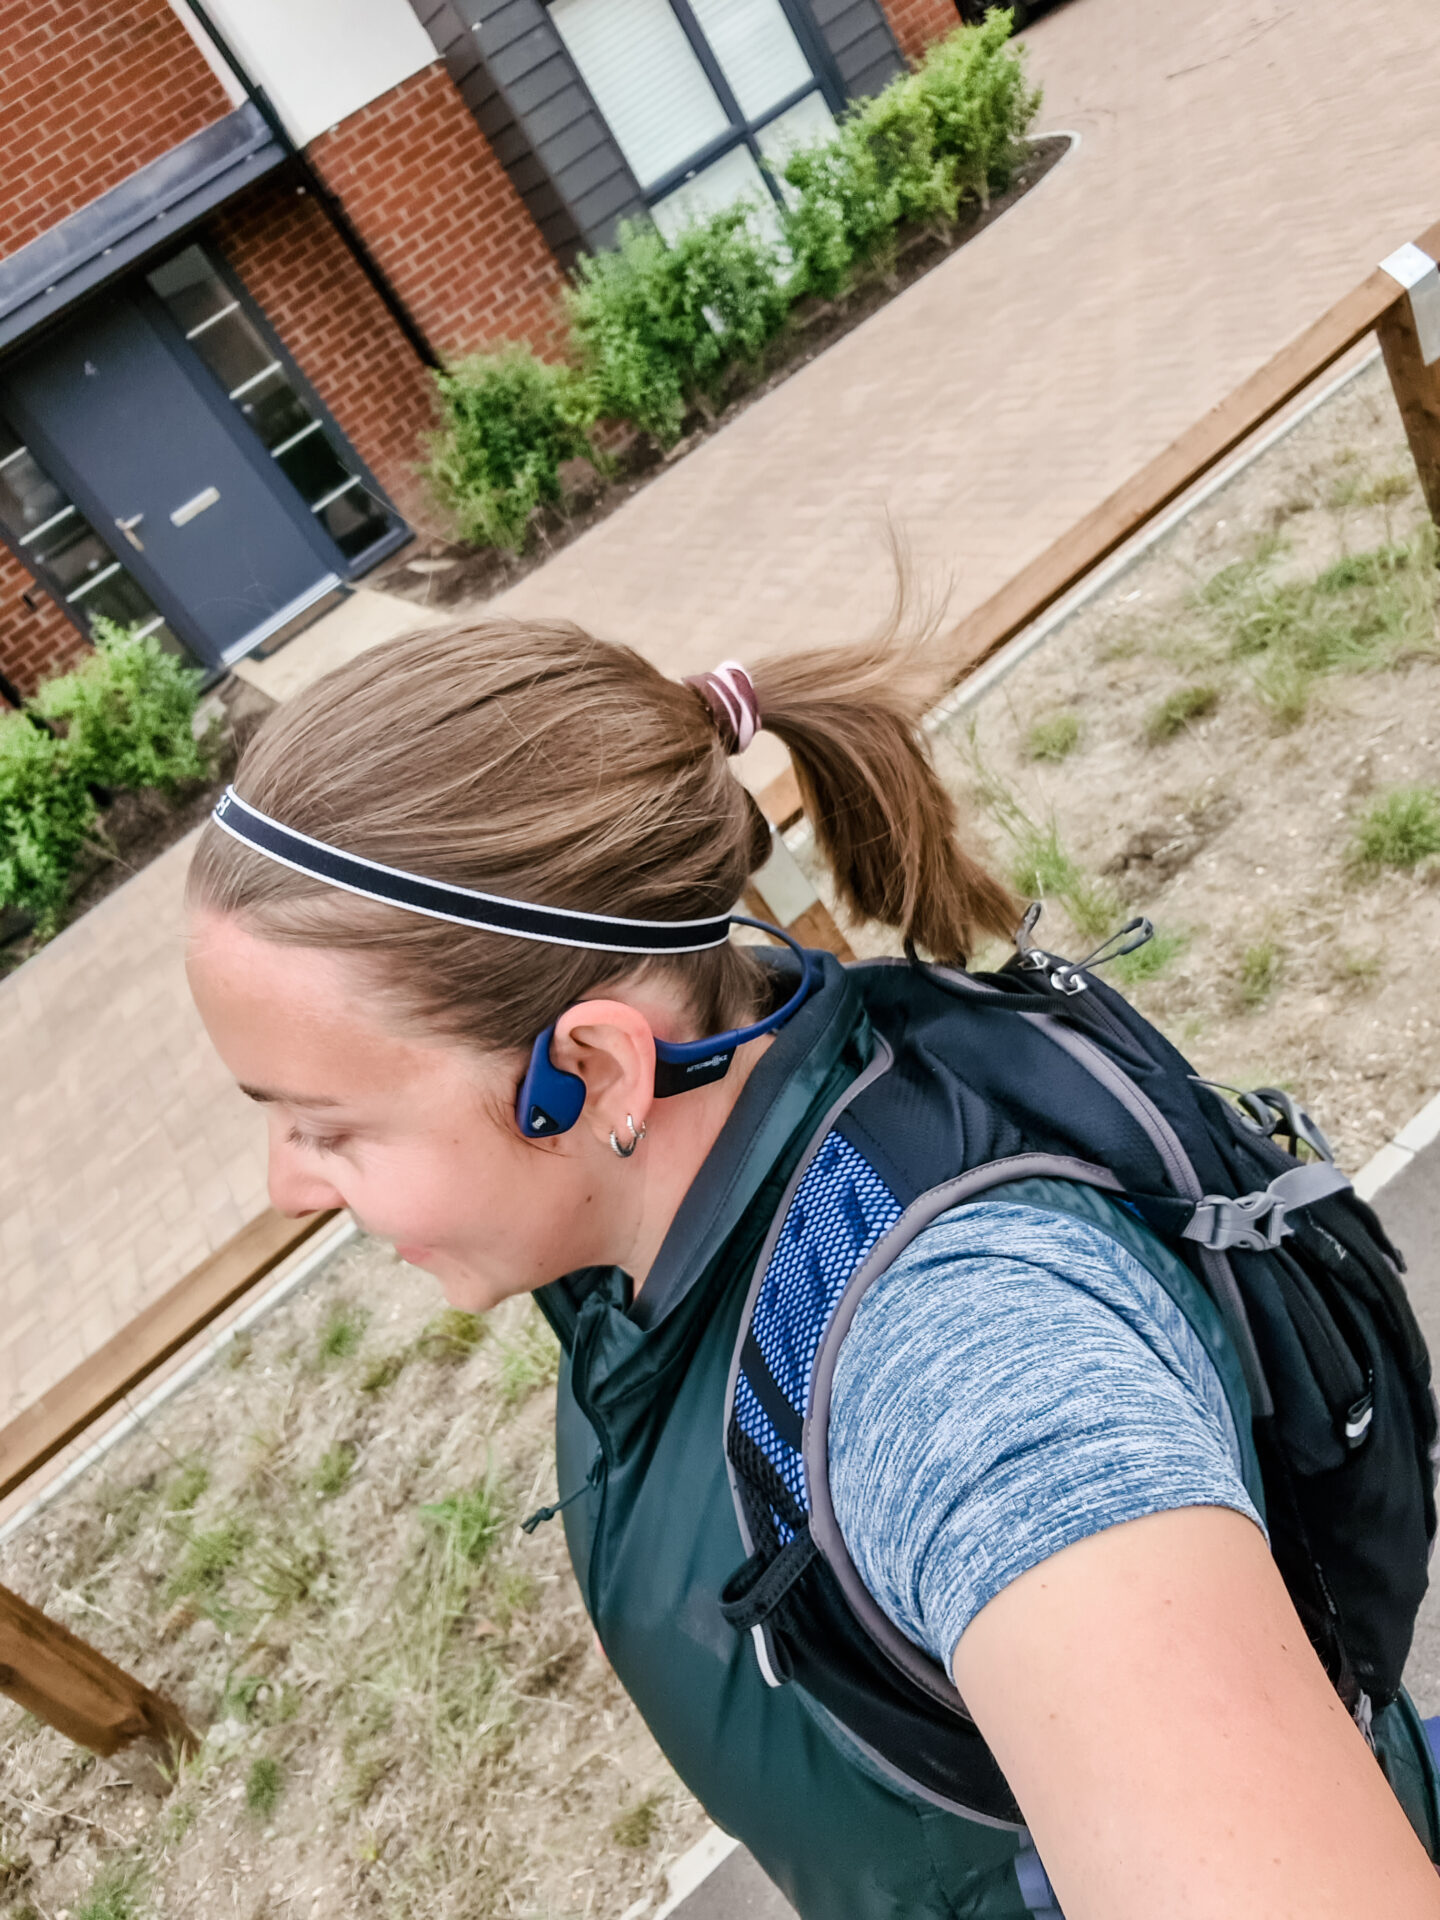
[(742, 131), (400, 532)]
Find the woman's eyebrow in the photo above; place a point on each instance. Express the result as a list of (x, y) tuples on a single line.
[(268, 1097)]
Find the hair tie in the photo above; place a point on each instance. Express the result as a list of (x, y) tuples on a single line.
[(729, 693)]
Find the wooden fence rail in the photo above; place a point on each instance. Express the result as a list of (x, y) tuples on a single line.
[(76, 1689)]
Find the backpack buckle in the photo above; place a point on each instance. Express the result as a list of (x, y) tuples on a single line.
[(1255, 1223)]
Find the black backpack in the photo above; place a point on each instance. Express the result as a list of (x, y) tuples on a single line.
[(1040, 1069)]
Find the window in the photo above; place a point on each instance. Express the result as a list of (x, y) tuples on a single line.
[(55, 539), (299, 442), (698, 93)]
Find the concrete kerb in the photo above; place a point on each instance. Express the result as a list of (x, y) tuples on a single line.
[(1419, 1132)]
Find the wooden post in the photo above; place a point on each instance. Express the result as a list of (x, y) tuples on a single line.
[(1417, 393), (781, 893), (62, 1680)]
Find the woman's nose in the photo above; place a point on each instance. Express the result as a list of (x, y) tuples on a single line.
[(295, 1188)]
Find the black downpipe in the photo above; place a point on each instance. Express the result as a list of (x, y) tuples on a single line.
[(330, 202)]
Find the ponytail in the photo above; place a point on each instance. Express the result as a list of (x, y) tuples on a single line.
[(851, 717)]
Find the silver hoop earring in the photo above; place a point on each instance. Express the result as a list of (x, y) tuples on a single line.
[(637, 1134)]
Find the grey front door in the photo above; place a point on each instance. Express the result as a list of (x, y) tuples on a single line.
[(200, 517)]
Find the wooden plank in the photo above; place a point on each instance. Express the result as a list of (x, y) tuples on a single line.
[(149, 1340), (1417, 393), (71, 1686), (1117, 519), (780, 800)]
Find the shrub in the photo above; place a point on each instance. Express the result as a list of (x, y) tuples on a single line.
[(46, 811), (1400, 829), (128, 714), (657, 325), (851, 193), (907, 157), (973, 85), (510, 422)]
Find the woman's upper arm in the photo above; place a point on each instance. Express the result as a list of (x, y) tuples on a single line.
[(1175, 1745)]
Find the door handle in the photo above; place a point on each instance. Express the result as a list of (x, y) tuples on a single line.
[(183, 515), (127, 527)]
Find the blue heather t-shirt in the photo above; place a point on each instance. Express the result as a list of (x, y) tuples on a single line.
[(1017, 1381)]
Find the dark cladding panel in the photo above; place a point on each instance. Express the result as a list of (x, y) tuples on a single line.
[(860, 42), (516, 78)]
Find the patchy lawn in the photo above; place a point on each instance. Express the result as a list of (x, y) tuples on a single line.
[(1241, 739), (315, 1550)]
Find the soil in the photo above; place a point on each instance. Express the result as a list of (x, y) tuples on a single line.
[(437, 572), (136, 828), (1282, 960), (447, 1740)]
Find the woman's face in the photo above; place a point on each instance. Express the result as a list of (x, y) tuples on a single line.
[(413, 1134)]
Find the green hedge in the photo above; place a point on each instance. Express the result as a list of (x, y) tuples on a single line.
[(656, 327), (123, 719), (511, 421)]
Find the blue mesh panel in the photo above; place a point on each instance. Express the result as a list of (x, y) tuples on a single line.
[(840, 1210)]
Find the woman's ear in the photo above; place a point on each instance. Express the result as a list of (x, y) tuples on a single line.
[(611, 1046)]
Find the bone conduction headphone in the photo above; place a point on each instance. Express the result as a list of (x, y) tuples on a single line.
[(550, 1100)]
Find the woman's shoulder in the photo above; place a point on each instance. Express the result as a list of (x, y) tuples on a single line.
[(1019, 1378)]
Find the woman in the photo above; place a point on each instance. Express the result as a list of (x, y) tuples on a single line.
[(466, 888)]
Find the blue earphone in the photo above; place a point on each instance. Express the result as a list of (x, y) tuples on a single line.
[(550, 1100)]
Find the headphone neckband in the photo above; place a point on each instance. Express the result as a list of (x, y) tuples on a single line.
[(550, 1100)]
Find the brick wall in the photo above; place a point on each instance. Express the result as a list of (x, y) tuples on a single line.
[(32, 645), (90, 90), (915, 23), (424, 189), (335, 326)]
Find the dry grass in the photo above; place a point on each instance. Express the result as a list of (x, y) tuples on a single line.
[(403, 1711), (1256, 766)]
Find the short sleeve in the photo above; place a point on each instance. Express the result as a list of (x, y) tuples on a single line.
[(1016, 1382)]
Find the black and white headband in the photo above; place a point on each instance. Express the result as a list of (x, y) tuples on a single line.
[(438, 900)]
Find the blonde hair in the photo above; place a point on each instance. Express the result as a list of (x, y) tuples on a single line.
[(528, 759)]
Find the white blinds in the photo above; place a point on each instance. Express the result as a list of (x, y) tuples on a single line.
[(807, 122), (733, 177), (636, 61), (757, 50)]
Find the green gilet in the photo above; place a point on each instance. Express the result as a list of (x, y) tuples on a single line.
[(653, 1537)]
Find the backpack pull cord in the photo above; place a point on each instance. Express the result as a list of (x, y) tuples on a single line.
[(1271, 1110), (1067, 977), (587, 1485)]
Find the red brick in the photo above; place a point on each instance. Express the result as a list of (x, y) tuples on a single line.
[(916, 23), (425, 190), (119, 85)]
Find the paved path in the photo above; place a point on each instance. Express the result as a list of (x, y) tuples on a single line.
[(1242, 164)]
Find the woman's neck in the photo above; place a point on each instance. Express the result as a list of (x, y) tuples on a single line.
[(680, 1137)]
